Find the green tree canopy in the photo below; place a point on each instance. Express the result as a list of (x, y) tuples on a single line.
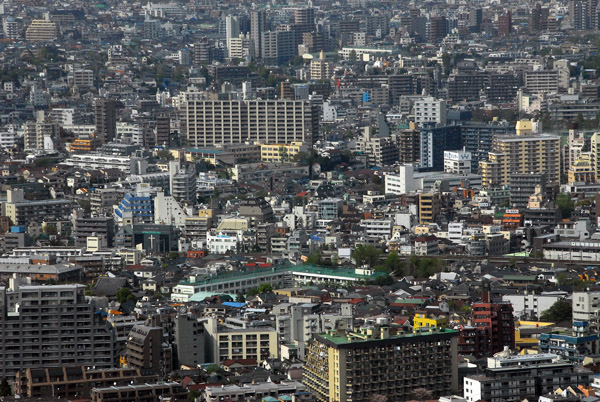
[(314, 258), (366, 255), (566, 205), (560, 311), (5, 389), (125, 294)]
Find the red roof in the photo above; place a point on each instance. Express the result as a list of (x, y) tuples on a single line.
[(356, 300)]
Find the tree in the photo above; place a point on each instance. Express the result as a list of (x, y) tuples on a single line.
[(213, 368), (86, 205), (265, 288), (565, 204), (421, 394), (5, 388), (165, 154), (173, 255), (446, 60), (314, 258), (366, 255), (561, 310), (125, 294), (561, 278), (352, 55), (193, 395), (393, 262)]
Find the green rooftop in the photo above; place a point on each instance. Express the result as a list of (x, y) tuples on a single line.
[(307, 269), (342, 340)]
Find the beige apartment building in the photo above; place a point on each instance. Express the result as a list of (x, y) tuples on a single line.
[(522, 154), (228, 342), (213, 122), (41, 31)]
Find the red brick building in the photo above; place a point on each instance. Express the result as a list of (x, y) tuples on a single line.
[(492, 328)]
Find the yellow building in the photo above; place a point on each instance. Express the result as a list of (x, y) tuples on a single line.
[(582, 171), (535, 153), (424, 321), (320, 69), (526, 333), (84, 144), (595, 153), (524, 127), (41, 31), (430, 205), (281, 152)]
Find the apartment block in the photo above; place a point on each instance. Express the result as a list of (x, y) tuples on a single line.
[(243, 342), (586, 308), (41, 31), (512, 377), (357, 365), (497, 317), (429, 110), (430, 205), (522, 154), (146, 351), (73, 381), (51, 326), (103, 227), (22, 211), (211, 123), (296, 324)]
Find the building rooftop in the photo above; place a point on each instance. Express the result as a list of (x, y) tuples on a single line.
[(357, 338)]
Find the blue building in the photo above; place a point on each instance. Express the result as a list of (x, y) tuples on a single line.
[(136, 207), (572, 345)]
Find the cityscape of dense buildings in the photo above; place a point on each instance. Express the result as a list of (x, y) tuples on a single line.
[(315, 201)]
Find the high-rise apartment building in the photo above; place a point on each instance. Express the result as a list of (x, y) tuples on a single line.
[(533, 153), (258, 25), (578, 11), (145, 350), (278, 47), (232, 30), (105, 113), (430, 205), (210, 123), (429, 110), (320, 69), (505, 24), (163, 130), (538, 19), (434, 141), (356, 366), (50, 326), (438, 29), (497, 318), (40, 134), (595, 153)]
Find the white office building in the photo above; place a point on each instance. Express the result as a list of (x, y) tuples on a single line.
[(457, 162)]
